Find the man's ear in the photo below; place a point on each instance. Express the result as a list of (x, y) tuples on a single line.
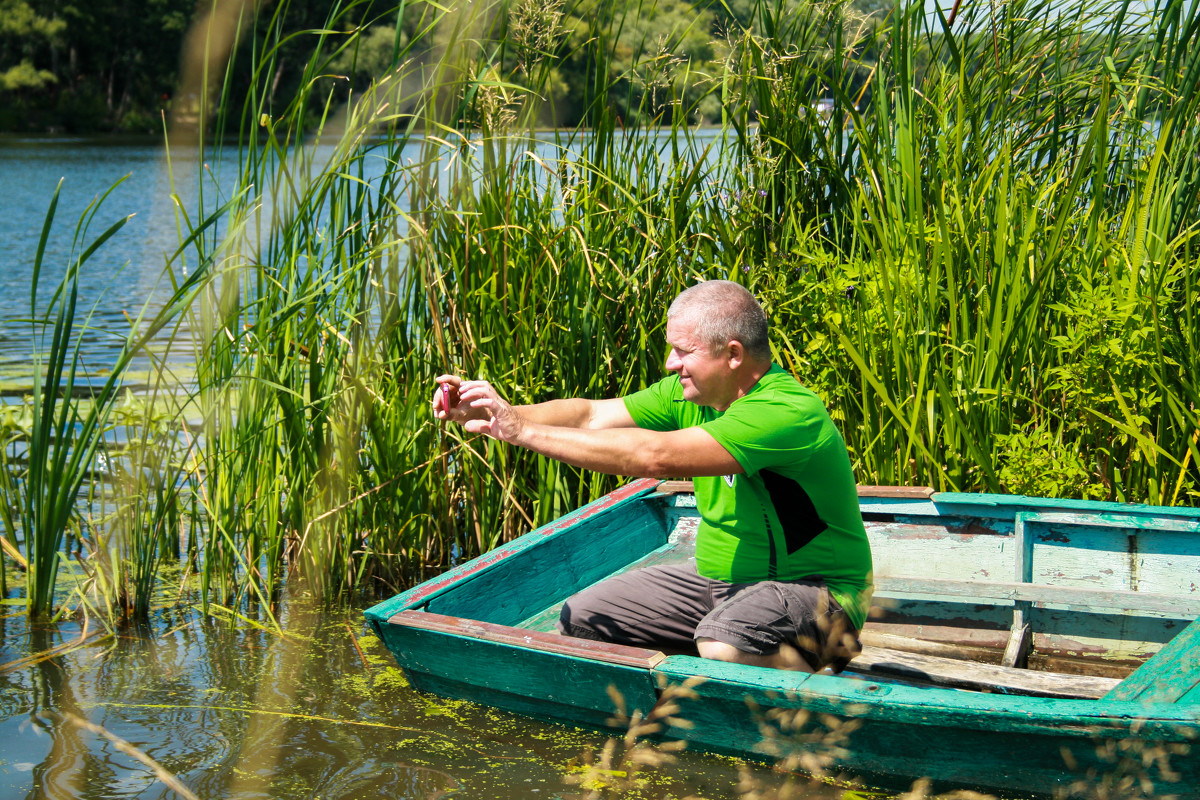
[(737, 353)]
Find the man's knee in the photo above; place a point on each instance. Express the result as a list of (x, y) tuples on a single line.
[(788, 625), (572, 621), (787, 657)]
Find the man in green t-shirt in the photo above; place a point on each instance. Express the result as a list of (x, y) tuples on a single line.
[(782, 575)]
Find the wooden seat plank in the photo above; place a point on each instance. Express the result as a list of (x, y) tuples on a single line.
[(955, 673), (537, 640), (1074, 597)]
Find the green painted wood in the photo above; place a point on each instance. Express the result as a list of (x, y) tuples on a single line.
[(1071, 597), (951, 708), (485, 669), (680, 547), (589, 649), (512, 590), (595, 517), (981, 502), (990, 742), (1172, 674), (1135, 522)]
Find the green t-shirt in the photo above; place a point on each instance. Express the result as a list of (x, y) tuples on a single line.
[(794, 513)]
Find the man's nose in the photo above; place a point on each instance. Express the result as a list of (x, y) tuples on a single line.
[(673, 361)]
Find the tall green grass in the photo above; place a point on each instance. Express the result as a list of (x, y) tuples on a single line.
[(65, 437), (982, 258)]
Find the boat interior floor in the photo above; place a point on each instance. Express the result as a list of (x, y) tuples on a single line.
[(895, 665), (914, 661), (955, 673)]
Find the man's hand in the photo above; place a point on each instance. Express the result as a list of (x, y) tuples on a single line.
[(448, 404), (490, 414)]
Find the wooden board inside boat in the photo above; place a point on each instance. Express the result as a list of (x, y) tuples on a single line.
[(1083, 636)]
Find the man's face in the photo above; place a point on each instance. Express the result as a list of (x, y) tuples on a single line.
[(707, 378)]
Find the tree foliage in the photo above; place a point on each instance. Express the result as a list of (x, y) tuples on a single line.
[(79, 67), (87, 66)]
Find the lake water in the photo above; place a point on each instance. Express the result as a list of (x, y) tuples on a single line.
[(233, 710), (321, 712), (121, 276), (127, 272)]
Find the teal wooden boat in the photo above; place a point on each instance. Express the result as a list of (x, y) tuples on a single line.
[(1015, 644)]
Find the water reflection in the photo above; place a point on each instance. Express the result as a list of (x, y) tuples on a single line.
[(234, 711)]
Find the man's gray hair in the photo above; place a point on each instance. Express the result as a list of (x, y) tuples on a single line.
[(723, 311)]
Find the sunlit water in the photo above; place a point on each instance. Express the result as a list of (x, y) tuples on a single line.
[(159, 191), (125, 273), (238, 712)]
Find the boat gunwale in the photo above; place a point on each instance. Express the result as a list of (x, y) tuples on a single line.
[(856, 696), (458, 575), (884, 499), (866, 696), (985, 501)]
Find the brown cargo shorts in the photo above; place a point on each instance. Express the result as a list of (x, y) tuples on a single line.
[(669, 607)]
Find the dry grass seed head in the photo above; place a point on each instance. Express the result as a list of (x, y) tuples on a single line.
[(534, 26)]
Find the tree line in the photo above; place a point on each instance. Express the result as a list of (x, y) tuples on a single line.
[(115, 65)]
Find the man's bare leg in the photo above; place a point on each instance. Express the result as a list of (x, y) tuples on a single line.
[(788, 657)]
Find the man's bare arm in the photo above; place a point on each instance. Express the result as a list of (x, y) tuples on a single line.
[(574, 412), (636, 452), (579, 413), (616, 450)]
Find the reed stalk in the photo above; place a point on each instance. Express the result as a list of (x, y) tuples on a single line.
[(65, 437), (980, 254), (926, 249)]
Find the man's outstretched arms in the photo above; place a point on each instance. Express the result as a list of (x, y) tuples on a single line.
[(575, 412), (598, 435)]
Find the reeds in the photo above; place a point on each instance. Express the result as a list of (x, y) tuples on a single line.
[(981, 257), (65, 436)]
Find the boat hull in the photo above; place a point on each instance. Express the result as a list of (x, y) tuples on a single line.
[(480, 633)]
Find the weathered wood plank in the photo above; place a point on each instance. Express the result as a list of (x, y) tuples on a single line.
[(1167, 562), (876, 636), (1084, 556), (1005, 504), (1170, 675), (972, 639), (1073, 597), (533, 640), (968, 675), (899, 492), (907, 548), (1113, 644)]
